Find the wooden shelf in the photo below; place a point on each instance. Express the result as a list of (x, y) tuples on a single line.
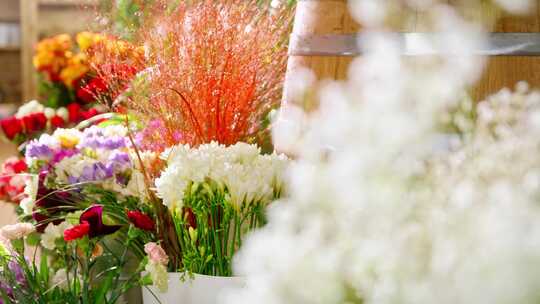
[(13, 48), (67, 2)]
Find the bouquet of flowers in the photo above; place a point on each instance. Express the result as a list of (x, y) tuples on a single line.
[(217, 194), (73, 93), (205, 99)]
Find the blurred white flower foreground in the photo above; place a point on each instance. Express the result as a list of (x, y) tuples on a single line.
[(379, 213)]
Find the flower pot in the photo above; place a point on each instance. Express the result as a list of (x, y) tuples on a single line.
[(201, 289)]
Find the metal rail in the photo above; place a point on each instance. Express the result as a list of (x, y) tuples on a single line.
[(498, 44)]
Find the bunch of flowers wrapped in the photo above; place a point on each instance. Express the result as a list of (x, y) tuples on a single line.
[(217, 194), (69, 74)]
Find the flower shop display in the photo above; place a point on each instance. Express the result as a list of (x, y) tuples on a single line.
[(217, 195), (162, 192), (72, 93), (204, 98)]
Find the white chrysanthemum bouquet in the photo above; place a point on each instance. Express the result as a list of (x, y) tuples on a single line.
[(217, 194)]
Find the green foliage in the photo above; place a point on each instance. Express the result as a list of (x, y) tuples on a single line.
[(55, 94), (95, 272), (208, 247)]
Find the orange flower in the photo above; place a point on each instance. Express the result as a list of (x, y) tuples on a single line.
[(52, 55), (217, 68), (76, 68)]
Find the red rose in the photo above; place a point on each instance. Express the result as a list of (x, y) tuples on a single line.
[(57, 121), (141, 220), (92, 90), (34, 122), (76, 232), (11, 127), (74, 110)]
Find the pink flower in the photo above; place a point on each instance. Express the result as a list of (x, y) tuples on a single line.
[(156, 254), (16, 231)]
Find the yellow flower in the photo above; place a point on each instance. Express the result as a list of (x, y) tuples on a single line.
[(67, 141), (52, 53), (75, 69), (86, 40)]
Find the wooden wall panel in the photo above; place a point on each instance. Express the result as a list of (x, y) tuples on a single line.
[(10, 76), (506, 71), (9, 10), (331, 16)]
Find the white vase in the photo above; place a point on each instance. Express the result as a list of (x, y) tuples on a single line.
[(201, 289)]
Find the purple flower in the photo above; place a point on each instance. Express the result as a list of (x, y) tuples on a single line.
[(113, 143), (8, 289), (89, 142), (120, 160), (38, 150), (16, 269), (95, 172)]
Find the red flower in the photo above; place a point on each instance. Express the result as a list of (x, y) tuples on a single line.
[(76, 232), (11, 183), (15, 165), (94, 217), (57, 121), (74, 110), (89, 114), (141, 220), (92, 90), (34, 122), (11, 127)]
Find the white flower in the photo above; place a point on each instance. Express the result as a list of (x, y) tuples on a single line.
[(49, 113), (247, 175), (114, 131), (28, 108), (63, 135), (378, 213), (52, 233), (71, 166), (30, 194), (159, 275), (16, 231), (63, 112)]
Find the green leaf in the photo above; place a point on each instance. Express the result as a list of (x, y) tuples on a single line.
[(33, 239), (104, 288), (44, 267)]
